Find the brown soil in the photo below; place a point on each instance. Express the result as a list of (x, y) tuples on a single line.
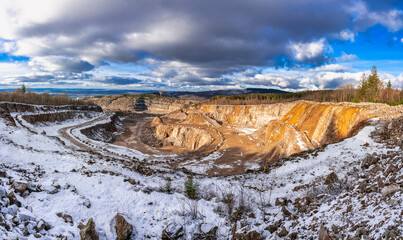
[(236, 148)]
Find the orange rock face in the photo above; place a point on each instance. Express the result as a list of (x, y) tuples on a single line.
[(307, 126), (323, 122), (272, 130)]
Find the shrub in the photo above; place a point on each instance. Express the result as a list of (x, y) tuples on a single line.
[(168, 186), (191, 188)]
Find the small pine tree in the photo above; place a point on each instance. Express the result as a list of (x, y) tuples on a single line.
[(168, 186), (191, 188), (389, 86), (23, 89)]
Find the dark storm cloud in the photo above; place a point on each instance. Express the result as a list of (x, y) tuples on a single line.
[(214, 37), (222, 35), (53, 78), (120, 80)]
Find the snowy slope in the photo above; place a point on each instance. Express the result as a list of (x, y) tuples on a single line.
[(85, 184)]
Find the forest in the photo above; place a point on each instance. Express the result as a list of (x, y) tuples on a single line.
[(24, 95)]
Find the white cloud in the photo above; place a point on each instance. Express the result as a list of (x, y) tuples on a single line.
[(309, 51), (7, 46), (347, 57), (60, 63), (332, 68), (392, 19), (346, 35), (318, 78), (401, 40)]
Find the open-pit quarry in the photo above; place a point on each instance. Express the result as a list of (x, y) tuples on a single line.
[(228, 139), (295, 170)]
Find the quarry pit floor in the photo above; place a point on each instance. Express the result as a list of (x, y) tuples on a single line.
[(234, 150)]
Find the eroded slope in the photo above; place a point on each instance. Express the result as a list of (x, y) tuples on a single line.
[(262, 133)]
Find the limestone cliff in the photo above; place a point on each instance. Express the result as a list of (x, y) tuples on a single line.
[(55, 117), (183, 136), (247, 115), (284, 128), (307, 126), (129, 103), (45, 113)]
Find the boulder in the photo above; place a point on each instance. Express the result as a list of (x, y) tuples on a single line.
[(331, 178), (390, 189), (26, 215), (172, 232), (283, 232), (285, 211), (88, 232), (2, 191), (13, 199), (67, 218), (123, 228), (87, 203), (41, 225), (19, 187), (323, 233), (252, 235)]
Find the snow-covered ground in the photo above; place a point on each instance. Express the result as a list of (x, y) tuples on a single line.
[(85, 185)]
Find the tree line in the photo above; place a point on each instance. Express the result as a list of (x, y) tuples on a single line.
[(24, 95), (370, 89)]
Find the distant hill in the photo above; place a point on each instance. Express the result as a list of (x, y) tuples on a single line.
[(209, 94)]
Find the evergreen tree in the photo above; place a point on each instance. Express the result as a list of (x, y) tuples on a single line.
[(389, 86)]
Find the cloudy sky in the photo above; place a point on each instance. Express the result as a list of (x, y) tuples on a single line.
[(198, 45)]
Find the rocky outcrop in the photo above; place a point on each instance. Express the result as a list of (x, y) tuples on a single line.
[(128, 103), (307, 126), (247, 115), (283, 140), (390, 133), (22, 107), (183, 136), (324, 123), (193, 116), (6, 116), (88, 232), (123, 228), (42, 113), (55, 117), (104, 132)]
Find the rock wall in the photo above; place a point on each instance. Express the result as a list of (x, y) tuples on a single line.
[(308, 126), (284, 128), (324, 123), (105, 132), (247, 115), (21, 107), (183, 136), (55, 117), (138, 103), (63, 112)]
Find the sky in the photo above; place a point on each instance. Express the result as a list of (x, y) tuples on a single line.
[(177, 45)]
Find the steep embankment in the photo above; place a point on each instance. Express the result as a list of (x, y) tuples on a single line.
[(247, 115), (183, 136), (104, 132), (282, 129), (129, 103), (56, 116), (308, 126), (43, 113)]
